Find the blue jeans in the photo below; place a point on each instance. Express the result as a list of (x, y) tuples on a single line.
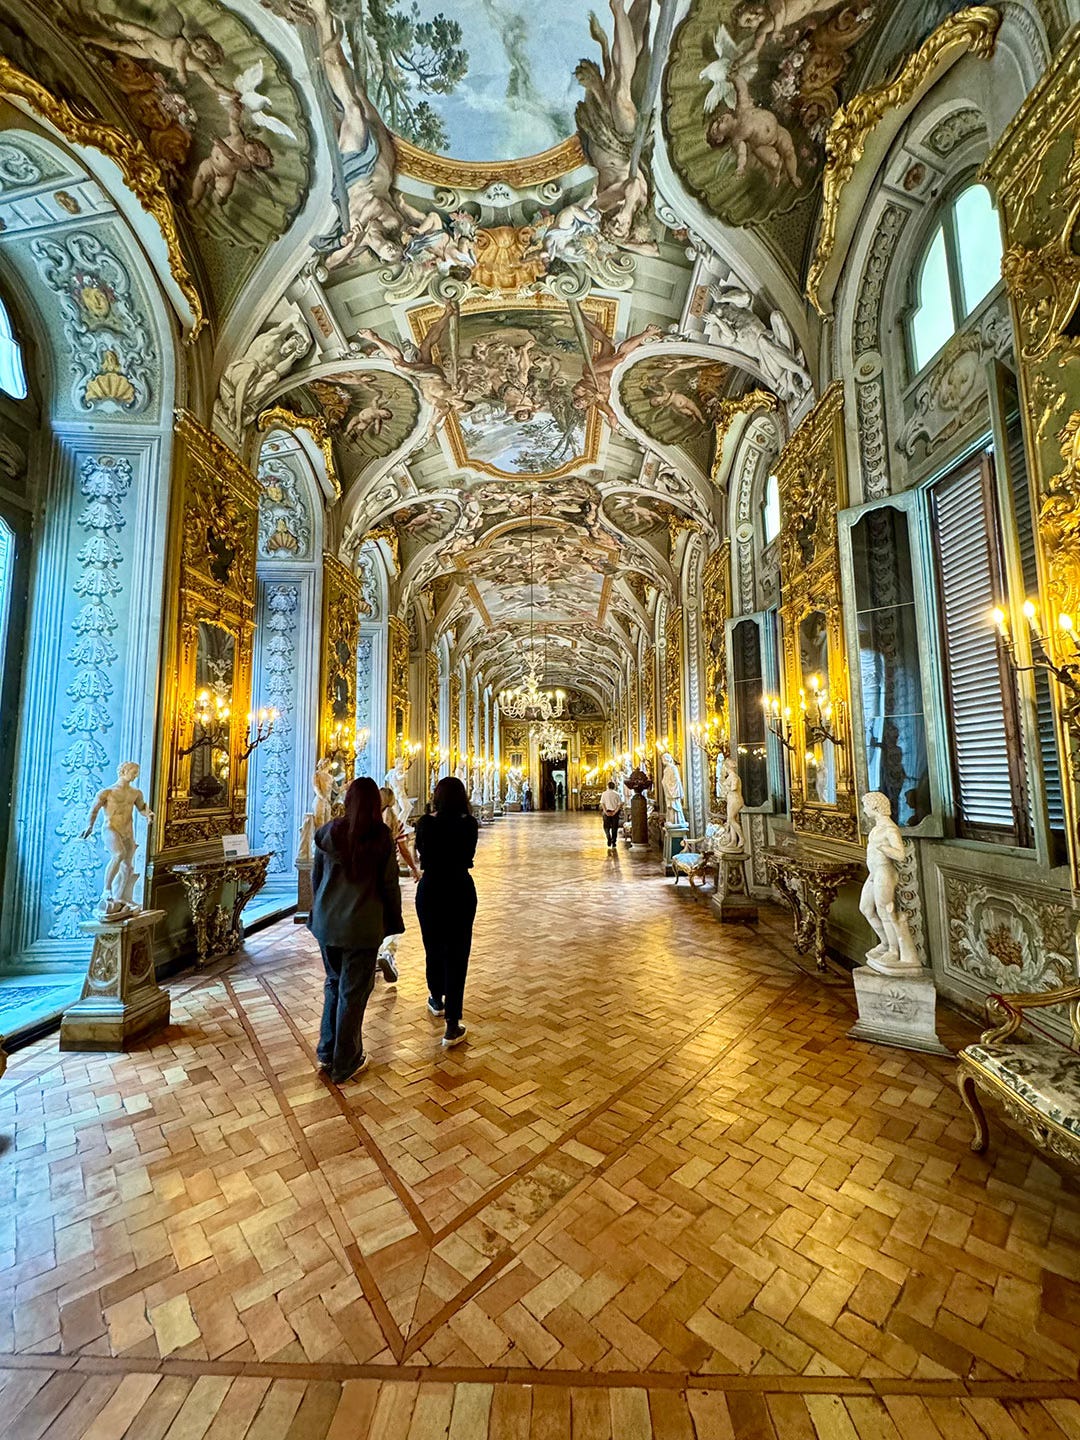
[(350, 978)]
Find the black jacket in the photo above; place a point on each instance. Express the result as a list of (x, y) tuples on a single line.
[(354, 915), (446, 847)]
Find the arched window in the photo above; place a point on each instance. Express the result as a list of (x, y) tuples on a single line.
[(12, 371), (770, 510), (960, 266)]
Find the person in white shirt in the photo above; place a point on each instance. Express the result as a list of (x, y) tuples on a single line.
[(611, 809)]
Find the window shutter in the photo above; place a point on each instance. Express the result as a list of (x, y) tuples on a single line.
[(983, 732)]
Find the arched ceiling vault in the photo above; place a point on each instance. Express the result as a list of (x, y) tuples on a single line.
[(516, 280)]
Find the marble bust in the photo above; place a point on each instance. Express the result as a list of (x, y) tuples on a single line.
[(119, 803), (672, 785), (731, 836), (895, 953)]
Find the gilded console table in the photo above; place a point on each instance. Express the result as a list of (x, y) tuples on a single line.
[(219, 929), (809, 884)]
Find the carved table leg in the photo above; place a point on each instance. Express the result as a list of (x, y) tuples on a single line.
[(965, 1083)]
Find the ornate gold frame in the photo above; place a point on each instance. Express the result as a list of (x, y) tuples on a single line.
[(213, 527), (601, 309), (455, 718), (479, 174), (813, 488), (433, 750), (397, 689), (715, 605), (971, 31), (1035, 172), (141, 173), (648, 682), (673, 666), (341, 601), (277, 417)]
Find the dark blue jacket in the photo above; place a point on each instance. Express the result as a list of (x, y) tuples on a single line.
[(354, 915)]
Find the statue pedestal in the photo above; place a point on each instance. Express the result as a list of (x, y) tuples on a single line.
[(732, 902), (674, 836), (897, 1010), (639, 819), (303, 892), (121, 999)]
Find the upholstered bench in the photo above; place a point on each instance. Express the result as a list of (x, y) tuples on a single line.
[(1036, 1081), (697, 857)]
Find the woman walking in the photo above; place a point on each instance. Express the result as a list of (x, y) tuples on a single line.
[(446, 900), (356, 901)]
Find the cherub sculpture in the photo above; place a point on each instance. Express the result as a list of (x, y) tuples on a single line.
[(119, 802), (895, 951)]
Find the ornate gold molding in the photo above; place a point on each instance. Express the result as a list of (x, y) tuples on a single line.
[(278, 417), (726, 413), (389, 536), (479, 174), (673, 667), (142, 174), (973, 31)]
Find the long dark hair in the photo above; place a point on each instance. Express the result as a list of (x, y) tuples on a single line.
[(360, 837), (450, 800)]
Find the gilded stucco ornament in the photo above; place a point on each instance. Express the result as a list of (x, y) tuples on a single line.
[(972, 31), (278, 417), (142, 174), (726, 414)]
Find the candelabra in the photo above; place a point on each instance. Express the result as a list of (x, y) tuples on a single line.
[(264, 728), (211, 726), (1066, 674), (711, 738), (779, 721)]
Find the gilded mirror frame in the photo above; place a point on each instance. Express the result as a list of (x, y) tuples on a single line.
[(213, 530), (813, 489)]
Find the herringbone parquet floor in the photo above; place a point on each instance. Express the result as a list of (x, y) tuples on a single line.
[(658, 1193)]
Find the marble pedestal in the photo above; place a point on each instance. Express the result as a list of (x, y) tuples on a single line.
[(121, 999), (303, 892), (513, 807), (732, 902), (674, 839), (897, 1010), (639, 820)]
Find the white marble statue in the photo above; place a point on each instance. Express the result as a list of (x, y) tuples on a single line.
[(395, 781), (674, 794), (321, 812), (730, 321), (514, 777), (119, 802), (731, 836), (268, 359), (476, 795), (895, 952)]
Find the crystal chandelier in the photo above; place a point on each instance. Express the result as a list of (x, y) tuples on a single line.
[(528, 699), (550, 740)]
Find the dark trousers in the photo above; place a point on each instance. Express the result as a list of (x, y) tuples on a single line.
[(611, 826), (446, 911), (350, 977)]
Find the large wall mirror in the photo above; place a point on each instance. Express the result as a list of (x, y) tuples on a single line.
[(208, 669), (212, 719)]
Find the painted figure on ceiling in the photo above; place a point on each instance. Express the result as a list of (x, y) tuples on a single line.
[(608, 123), (440, 391), (594, 387)]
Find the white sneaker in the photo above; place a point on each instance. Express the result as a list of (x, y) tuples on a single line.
[(453, 1037)]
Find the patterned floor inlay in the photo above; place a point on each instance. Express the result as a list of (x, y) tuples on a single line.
[(659, 1192)]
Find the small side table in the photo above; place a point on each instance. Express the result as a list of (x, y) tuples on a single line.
[(809, 884), (219, 929)]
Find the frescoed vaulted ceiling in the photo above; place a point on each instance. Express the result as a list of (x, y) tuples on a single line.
[(431, 240)]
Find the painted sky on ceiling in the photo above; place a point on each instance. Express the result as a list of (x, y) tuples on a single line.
[(515, 52)]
